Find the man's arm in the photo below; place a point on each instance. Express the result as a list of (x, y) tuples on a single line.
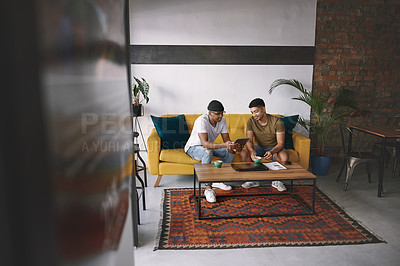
[(280, 138), (250, 144), (211, 145)]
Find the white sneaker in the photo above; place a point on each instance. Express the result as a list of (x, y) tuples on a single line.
[(278, 185), (251, 184), (221, 186), (210, 195)]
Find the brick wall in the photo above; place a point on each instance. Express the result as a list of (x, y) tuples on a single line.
[(357, 47)]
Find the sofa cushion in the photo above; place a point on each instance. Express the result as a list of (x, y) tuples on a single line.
[(173, 131), (289, 122), (176, 156)]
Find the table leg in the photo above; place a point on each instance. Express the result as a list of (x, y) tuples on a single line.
[(145, 168), (194, 185), (134, 210), (199, 200), (291, 186), (313, 195), (143, 189), (381, 168)]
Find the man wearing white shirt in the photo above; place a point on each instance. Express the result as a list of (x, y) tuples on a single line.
[(200, 146)]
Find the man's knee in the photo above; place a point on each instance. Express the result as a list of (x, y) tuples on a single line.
[(207, 156), (228, 157), (282, 156)]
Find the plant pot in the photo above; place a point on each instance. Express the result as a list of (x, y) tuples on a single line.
[(137, 110), (320, 165)]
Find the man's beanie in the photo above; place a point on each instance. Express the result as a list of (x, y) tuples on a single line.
[(257, 102), (215, 106)]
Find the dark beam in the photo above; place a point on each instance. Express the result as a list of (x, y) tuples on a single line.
[(222, 55)]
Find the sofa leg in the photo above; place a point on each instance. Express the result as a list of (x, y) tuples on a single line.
[(158, 181)]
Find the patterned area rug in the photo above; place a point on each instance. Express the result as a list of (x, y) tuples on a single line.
[(180, 228)]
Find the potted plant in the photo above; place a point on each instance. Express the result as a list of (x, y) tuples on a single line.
[(139, 87), (327, 110)]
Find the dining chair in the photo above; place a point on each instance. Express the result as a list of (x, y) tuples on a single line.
[(392, 147), (352, 159)]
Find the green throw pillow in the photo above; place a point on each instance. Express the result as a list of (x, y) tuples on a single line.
[(173, 131), (289, 122)]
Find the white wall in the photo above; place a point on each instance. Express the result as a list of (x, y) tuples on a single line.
[(219, 22), (188, 88)]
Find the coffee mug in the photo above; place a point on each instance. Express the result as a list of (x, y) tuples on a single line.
[(217, 164), (257, 159)]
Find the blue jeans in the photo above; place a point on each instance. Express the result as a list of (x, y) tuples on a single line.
[(200, 153)]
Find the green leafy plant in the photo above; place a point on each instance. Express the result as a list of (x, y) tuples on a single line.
[(140, 87), (327, 109)]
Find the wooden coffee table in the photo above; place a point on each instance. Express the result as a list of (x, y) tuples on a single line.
[(207, 173)]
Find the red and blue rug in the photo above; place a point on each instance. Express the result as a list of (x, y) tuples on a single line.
[(180, 228)]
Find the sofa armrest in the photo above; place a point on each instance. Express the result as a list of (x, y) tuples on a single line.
[(153, 152), (302, 145)]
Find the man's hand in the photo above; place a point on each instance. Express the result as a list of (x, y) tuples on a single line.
[(228, 144), (268, 155), (237, 147), (233, 147)]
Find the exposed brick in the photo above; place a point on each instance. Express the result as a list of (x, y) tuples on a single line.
[(372, 68), (350, 67), (369, 78), (345, 78), (357, 48), (331, 78), (338, 67)]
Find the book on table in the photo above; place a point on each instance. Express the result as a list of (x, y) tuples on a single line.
[(275, 166)]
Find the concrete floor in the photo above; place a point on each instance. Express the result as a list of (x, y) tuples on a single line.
[(380, 215)]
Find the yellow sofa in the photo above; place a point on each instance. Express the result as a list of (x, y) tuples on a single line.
[(177, 162)]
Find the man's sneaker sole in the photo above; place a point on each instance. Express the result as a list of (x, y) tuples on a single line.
[(246, 185), (223, 187), (277, 187)]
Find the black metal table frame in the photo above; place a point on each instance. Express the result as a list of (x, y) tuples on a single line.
[(310, 210), (134, 193)]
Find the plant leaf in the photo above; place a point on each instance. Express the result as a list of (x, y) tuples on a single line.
[(143, 87), (328, 109)]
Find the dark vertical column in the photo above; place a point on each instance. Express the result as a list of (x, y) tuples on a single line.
[(134, 208), (27, 209)]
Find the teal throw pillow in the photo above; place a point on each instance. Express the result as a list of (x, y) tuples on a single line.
[(289, 122), (173, 131)]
